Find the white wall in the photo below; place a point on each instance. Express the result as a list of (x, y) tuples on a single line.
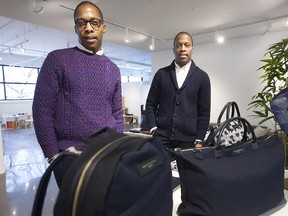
[(135, 95), (15, 107), (232, 68)]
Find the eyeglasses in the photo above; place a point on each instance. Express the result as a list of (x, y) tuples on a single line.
[(95, 23)]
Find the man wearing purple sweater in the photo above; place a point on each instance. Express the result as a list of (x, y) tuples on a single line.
[(78, 90)]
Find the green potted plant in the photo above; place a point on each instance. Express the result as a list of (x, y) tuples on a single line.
[(274, 78)]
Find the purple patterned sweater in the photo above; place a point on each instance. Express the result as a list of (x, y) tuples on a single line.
[(76, 93)]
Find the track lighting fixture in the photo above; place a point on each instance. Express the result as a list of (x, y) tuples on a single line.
[(152, 46), (38, 10), (33, 7), (127, 38)]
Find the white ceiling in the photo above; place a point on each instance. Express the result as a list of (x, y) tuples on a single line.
[(145, 19)]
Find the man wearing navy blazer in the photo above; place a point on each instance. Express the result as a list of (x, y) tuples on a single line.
[(179, 99)]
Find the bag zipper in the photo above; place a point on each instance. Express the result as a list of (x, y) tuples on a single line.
[(191, 149)]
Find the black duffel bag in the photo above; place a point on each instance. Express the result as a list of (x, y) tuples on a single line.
[(246, 178), (116, 175)]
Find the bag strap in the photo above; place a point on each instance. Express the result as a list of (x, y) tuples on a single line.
[(42, 187)]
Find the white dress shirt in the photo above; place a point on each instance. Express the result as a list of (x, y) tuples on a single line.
[(100, 51), (181, 73)]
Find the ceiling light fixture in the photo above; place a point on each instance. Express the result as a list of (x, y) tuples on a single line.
[(268, 29), (1, 59), (219, 38), (38, 10), (287, 22), (127, 38), (134, 30), (33, 7), (152, 45)]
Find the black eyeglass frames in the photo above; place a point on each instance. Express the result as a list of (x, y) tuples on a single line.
[(95, 23)]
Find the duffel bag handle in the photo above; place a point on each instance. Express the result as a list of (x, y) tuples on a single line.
[(96, 133), (43, 184), (246, 125), (233, 108), (230, 108)]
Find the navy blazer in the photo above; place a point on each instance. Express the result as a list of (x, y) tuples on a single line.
[(181, 114)]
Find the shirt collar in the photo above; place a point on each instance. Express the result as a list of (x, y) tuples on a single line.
[(100, 51), (187, 66)]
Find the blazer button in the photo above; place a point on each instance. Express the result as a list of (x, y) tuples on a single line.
[(177, 103), (175, 114)]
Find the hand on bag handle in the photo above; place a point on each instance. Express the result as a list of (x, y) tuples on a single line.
[(246, 125)]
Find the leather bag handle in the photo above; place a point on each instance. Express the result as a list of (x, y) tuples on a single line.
[(90, 137), (235, 112), (231, 109)]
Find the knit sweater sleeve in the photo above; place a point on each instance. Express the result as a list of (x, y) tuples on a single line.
[(44, 102), (117, 105)]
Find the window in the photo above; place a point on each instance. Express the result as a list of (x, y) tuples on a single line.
[(125, 79), (17, 83)]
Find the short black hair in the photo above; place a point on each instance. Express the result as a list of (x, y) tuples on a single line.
[(183, 32), (85, 3)]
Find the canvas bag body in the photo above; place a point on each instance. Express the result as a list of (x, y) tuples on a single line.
[(244, 179), (131, 177)]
